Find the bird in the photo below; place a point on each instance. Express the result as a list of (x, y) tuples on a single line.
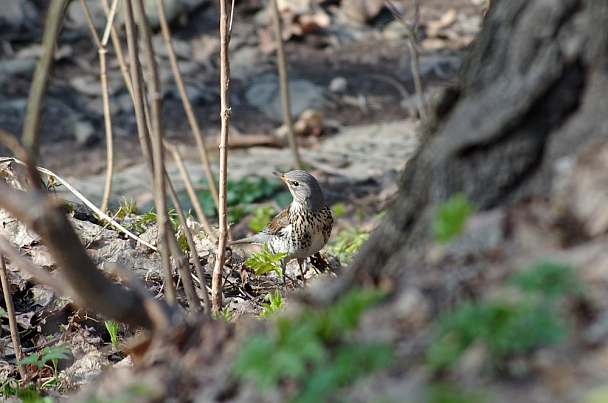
[(303, 227)]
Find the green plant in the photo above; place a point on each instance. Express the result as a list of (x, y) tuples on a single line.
[(112, 327), (314, 349), (338, 209), (239, 194), (225, 314), (346, 243), (498, 325), (551, 279), (260, 218), (451, 217), (274, 304), (29, 394), (126, 208), (447, 393), (9, 387), (265, 261), (52, 354), (152, 217)]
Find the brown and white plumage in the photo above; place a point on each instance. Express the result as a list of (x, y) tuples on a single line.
[(303, 227)]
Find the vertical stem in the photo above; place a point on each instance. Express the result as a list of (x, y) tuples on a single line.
[(285, 101), (159, 182), (144, 136), (216, 285), (187, 106), (12, 319), (33, 115)]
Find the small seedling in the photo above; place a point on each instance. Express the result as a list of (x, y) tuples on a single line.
[(451, 217), (274, 304), (112, 327), (265, 261), (52, 354), (126, 208), (225, 314)]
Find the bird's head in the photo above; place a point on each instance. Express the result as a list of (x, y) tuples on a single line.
[(304, 188)]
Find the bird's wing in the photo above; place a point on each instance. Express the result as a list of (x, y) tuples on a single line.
[(277, 226)]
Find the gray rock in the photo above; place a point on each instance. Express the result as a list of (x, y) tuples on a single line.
[(264, 94)]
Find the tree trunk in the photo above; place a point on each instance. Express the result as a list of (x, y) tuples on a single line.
[(534, 88)]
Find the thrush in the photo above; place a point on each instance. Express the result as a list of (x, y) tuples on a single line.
[(303, 228)]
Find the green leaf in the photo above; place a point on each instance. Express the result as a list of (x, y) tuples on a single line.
[(551, 279), (265, 261), (451, 217), (31, 359)]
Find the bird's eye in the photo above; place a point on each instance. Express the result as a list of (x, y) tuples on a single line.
[(295, 183)]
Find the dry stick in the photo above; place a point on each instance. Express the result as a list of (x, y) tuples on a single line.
[(12, 319), (33, 116), (158, 160), (180, 259), (102, 50), (190, 189), (144, 138), (225, 111), (187, 105), (285, 101), (415, 62)]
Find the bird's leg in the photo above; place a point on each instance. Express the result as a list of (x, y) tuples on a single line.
[(301, 264), (284, 270)]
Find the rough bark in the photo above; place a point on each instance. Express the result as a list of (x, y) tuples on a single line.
[(532, 90)]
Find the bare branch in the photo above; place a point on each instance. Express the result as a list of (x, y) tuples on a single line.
[(33, 115), (216, 283), (12, 319)]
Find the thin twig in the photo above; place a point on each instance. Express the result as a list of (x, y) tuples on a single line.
[(86, 202), (187, 105), (102, 50), (415, 61), (33, 114), (12, 319), (190, 189), (284, 83), (182, 262), (225, 112), (150, 152)]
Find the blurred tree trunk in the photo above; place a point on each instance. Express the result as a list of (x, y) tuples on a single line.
[(533, 89)]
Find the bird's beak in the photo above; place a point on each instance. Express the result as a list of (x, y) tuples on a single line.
[(280, 175)]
